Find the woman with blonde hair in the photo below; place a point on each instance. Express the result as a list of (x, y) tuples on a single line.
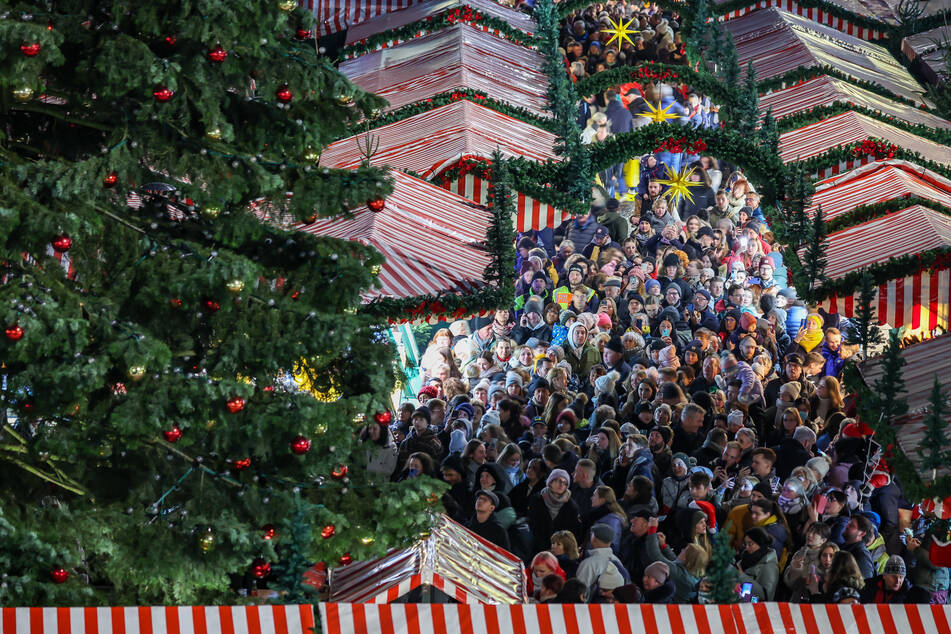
[(606, 510), (565, 548), (686, 569), (827, 400), (604, 447)]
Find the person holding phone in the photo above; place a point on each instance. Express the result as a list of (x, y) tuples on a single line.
[(758, 563)]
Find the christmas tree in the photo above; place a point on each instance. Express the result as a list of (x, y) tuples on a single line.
[(155, 447), (814, 256), (862, 330), (722, 574), (768, 132), (933, 449), (745, 117)]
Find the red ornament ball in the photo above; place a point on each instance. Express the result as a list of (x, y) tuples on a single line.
[(175, 302), (235, 404), (242, 464), (304, 34), (59, 575), (260, 568), (217, 54), (212, 305), (62, 243), (269, 531), (110, 180), (328, 531), (284, 94), (163, 94), (171, 40), (300, 445), (345, 559), (14, 332), (384, 418), (30, 49), (173, 434), (340, 472), (376, 205)]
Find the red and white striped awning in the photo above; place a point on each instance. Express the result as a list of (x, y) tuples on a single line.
[(851, 127), (778, 42), (876, 182), (421, 11), (433, 240), (920, 299), (453, 59), (825, 90), (564, 618), (815, 14), (337, 15), (226, 619), (451, 558)]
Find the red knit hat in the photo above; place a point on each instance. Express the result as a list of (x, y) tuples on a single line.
[(709, 511), (855, 429)]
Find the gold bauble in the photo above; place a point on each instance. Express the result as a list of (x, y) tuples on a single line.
[(312, 155), (376, 112), (375, 269), (344, 99), (210, 424), (367, 540), (211, 212), (136, 372), (207, 541), (214, 134), (235, 286), (24, 93), (286, 5), (320, 429)]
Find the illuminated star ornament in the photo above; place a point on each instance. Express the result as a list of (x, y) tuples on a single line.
[(620, 32), (679, 184), (659, 115)]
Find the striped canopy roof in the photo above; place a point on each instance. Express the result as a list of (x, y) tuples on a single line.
[(433, 240), (337, 15), (887, 10), (910, 230), (396, 19), (848, 128), (453, 59), (876, 182), (431, 141), (778, 42), (825, 90)]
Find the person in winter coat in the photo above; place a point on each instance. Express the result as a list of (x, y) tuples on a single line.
[(606, 510), (458, 499), (484, 523), (758, 563), (890, 586), (686, 569), (579, 353), (422, 438), (766, 515), (615, 223), (599, 558), (657, 585), (553, 510), (381, 449)]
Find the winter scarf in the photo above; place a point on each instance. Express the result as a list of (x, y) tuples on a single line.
[(554, 504)]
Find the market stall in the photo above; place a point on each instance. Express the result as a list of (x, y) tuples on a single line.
[(337, 15), (856, 27)]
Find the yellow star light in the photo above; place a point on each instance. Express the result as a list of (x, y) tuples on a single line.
[(679, 184), (659, 115), (620, 32)]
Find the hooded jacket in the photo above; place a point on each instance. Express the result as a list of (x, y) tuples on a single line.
[(764, 575)]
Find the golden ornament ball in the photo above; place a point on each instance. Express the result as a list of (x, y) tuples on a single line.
[(235, 286), (210, 424), (214, 134), (286, 5), (23, 94), (136, 372), (367, 540), (375, 269), (207, 541), (211, 212), (344, 99), (320, 429), (312, 156)]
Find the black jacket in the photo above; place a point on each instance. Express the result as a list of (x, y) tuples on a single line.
[(543, 526), (490, 530)]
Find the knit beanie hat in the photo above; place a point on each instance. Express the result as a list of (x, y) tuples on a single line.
[(820, 465), (457, 440), (793, 389), (424, 412), (604, 321), (603, 532), (605, 383), (565, 315), (895, 566), (558, 473), (610, 578), (512, 377), (659, 571)]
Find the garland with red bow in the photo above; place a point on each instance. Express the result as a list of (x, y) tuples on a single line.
[(676, 146), (874, 147), (467, 165)]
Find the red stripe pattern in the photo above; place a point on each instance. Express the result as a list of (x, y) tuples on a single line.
[(778, 42), (545, 618), (811, 13), (336, 15)]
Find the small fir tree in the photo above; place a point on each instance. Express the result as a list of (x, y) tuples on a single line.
[(814, 256), (721, 573), (729, 62), (862, 330), (769, 133), (933, 450)]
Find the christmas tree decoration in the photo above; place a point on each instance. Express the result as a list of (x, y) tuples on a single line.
[(657, 114), (384, 418), (679, 184), (260, 568), (368, 539), (340, 472), (312, 156), (217, 54), (211, 212), (119, 389), (235, 404), (345, 559), (242, 464), (136, 372), (344, 99), (173, 435), (163, 94), (286, 5), (300, 445), (284, 94), (62, 243), (211, 305), (30, 50), (303, 34), (269, 532), (170, 41), (207, 541), (110, 180), (328, 531), (14, 332), (23, 93), (59, 575), (621, 32), (235, 286), (376, 205), (175, 302)]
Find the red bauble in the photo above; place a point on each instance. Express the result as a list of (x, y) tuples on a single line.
[(384, 418), (340, 472), (269, 531), (284, 94), (170, 40), (163, 94), (269, 388), (260, 568), (14, 332), (376, 205), (175, 302), (235, 404), (345, 559), (110, 180), (30, 49), (59, 575), (300, 445), (328, 531), (217, 54), (173, 434), (304, 34), (212, 305), (62, 243), (242, 464)]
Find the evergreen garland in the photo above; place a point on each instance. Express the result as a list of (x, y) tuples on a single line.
[(835, 155), (701, 81), (894, 268), (823, 5), (821, 113), (864, 213)]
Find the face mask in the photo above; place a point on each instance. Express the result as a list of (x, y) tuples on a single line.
[(412, 473), (512, 470), (704, 598), (789, 506)]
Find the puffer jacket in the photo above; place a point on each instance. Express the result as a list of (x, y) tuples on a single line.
[(764, 575)]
